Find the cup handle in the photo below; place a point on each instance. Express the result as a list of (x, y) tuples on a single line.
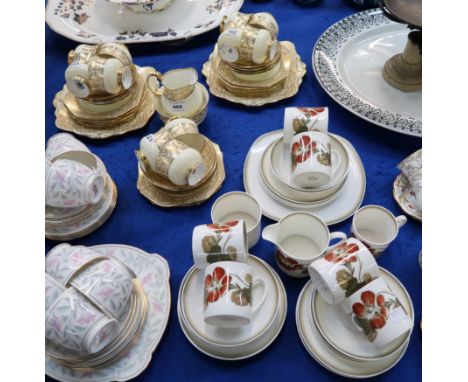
[(401, 220), (336, 235), (160, 88), (265, 292)]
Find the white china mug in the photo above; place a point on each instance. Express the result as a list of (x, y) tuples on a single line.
[(300, 238), (376, 227), (228, 294), (376, 312), (299, 120), (72, 184), (311, 159), (343, 270), (239, 206), (217, 242)]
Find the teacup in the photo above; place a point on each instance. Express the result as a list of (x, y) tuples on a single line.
[(311, 159), (52, 292), (116, 50), (376, 227), (300, 238), (265, 20), (74, 323), (217, 242), (61, 143), (411, 167), (184, 130), (345, 268), (172, 159), (299, 120), (228, 294), (238, 205), (71, 184), (377, 313), (82, 53), (64, 260), (107, 284)]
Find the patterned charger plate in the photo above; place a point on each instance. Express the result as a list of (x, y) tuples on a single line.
[(348, 59)]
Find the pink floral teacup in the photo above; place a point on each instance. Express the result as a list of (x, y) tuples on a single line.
[(228, 294), (377, 313), (61, 143), (52, 291), (219, 242), (74, 323), (345, 268)]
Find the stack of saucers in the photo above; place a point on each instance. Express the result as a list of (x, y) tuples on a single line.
[(66, 222)]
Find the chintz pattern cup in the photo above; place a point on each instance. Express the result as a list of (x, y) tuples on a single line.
[(345, 268), (228, 294), (183, 129), (411, 167), (71, 184), (311, 159), (299, 120), (377, 313), (376, 227), (52, 291), (75, 324), (238, 205), (107, 284), (61, 143), (217, 242)]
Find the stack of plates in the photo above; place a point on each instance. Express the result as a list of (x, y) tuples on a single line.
[(279, 196), (136, 106), (162, 192), (236, 343), (332, 340)]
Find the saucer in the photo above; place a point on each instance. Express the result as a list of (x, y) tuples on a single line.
[(336, 328), (292, 65), (198, 195), (67, 121), (235, 343), (89, 223), (324, 355), (153, 272), (404, 196), (346, 203)]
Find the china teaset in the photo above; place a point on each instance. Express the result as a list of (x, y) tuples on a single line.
[(107, 306)]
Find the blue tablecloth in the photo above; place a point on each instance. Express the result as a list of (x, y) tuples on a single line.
[(168, 231)]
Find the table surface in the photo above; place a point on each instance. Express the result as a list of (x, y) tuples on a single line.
[(234, 127)]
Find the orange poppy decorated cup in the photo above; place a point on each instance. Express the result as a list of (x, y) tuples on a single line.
[(229, 288)]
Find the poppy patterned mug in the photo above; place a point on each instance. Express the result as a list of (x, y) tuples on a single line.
[(299, 120), (216, 242), (345, 268), (311, 159), (228, 294), (377, 313)]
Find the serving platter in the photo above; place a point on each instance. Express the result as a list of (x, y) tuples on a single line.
[(98, 21), (348, 59)]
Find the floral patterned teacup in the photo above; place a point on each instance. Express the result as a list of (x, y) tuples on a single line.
[(376, 227), (52, 291), (299, 120), (107, 284), (311, 159), (377, 313), (228, 294), (300, 238), (345, 268), (216, 242), (71, 184), (411, 167), (61, 143), (74, 323)]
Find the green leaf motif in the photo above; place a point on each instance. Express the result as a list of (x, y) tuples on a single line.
[(215, 257)]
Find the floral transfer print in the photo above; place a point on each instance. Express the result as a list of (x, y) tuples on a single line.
[(218, 283), (372, 312), (348, 279), (217, 5), (290, 265), (74, 9), (305, 148), (213, 245), (307, 121)]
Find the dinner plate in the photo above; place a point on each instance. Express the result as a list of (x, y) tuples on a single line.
[(99, 21), (348, 59), (153, 272), (336, 327), (346, 203), (327, 357)]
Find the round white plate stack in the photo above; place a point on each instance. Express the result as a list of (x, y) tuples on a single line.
[(279, 196), (234, 343), (331, 339)]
